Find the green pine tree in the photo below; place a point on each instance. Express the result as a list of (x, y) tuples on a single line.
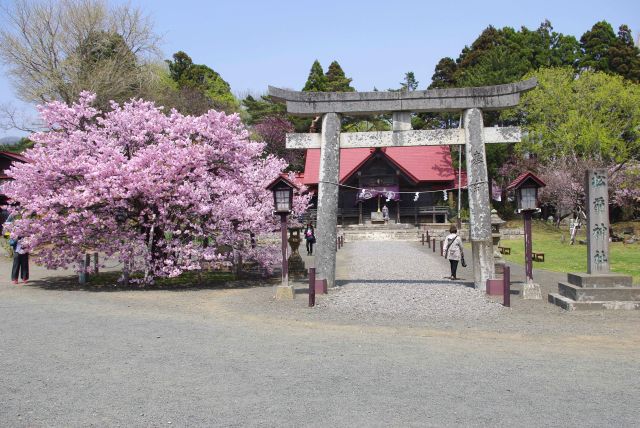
[(444, 75), (624, 56), (336, 81), (410, 83), (317, 81), (595, 45), (202, 78)]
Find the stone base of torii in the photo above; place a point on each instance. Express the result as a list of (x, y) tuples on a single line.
[(470, 101)]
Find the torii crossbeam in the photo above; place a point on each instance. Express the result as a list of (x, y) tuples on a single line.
[(470, 101)]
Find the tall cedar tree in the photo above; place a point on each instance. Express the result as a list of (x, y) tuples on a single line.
[(603, 51), (444, 75), (336, 81), (624, 56), (317, 81), (595, 45)]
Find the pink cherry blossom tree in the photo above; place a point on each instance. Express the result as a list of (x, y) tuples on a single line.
[(624, 180), (564, 179), (162, 193), (273, 131)]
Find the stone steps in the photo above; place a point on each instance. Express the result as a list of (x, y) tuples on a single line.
[(392, 232), (600, 280), (381, 235), (597, 292), (572, 305), (580, 294)]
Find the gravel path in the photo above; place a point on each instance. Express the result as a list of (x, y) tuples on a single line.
[(396, 280)]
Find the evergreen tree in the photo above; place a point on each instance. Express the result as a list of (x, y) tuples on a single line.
[(488, 39), (181, 62), (595, 45), (410, 83), (336, 81), (317, 81), (624, 56), (444, 75), (497, 66), (202, 78), (504, 55), (258, 110)]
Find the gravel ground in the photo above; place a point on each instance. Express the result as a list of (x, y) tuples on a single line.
[(399, 284), (235, 357), (397, 281)]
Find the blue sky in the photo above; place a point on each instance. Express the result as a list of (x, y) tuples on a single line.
[(253, 44)]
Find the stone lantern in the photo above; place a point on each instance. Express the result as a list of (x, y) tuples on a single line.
[(296, 264), (496, 222)]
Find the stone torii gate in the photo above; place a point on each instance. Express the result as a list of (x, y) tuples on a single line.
[(471, 101)]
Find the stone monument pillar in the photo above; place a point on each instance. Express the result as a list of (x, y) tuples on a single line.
[(598, 288), (326, 232), (597, 198), (479, 201)]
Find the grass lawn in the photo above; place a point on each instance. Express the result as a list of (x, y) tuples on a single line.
[(562, 257)]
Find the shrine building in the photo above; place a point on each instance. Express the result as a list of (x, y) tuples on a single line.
[(6, 160), (373, 177)]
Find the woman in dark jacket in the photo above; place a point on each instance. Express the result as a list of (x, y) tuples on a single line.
[(310, 237), (20, 261)]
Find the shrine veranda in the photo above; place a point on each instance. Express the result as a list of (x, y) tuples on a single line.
[(471, 102)]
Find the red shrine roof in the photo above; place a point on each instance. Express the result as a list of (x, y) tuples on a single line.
[(14, 156), (463, 179), (421, 163), (522, 178), (11, 157)]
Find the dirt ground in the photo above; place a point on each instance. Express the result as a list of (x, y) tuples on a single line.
[(233, 356)]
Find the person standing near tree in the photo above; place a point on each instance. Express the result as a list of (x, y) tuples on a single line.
[(20, 261), (310, 237), (453, 250)]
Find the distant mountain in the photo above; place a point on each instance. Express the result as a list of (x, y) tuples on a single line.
[(9, 141)]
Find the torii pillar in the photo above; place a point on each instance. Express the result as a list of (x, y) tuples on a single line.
[(479, 198), (327, 221)]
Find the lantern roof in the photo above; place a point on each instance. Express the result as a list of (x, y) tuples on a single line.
[(525, 178), (282, 178)]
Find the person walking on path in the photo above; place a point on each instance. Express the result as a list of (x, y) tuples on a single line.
[(453, 250), (20, 261), (310, 237)]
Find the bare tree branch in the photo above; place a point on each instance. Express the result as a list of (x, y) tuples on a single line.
[(13, 118), (56, 49)]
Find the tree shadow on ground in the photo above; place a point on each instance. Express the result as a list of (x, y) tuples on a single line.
[(382, 282), (108, 282)]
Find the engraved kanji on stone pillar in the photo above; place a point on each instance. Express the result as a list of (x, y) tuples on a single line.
[(597, 199), (479, 202), (329, 177)]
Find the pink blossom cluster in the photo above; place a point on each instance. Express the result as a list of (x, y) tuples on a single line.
[(625, 181), (163, 193)]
